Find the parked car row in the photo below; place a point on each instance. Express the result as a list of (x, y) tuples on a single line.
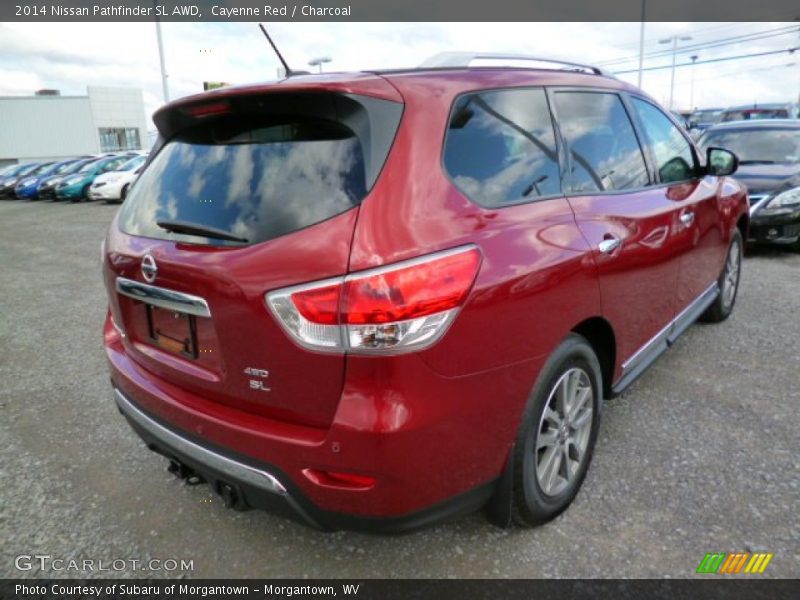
[(106, 176), (700, 120)]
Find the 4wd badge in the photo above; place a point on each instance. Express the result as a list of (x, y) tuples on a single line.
[(257, 379)]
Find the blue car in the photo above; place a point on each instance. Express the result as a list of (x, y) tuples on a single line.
[(27, 187), (9, 182), (47, 184)]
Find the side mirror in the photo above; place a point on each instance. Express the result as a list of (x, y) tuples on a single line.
[(721, 162)]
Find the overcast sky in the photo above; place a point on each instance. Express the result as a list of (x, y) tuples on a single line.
[(69, 57)]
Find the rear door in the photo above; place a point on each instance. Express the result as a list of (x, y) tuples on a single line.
[(628, 223), (698, 230), (246, 196)]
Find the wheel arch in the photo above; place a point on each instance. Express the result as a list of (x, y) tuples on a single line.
[(743, 225), (600, 335)]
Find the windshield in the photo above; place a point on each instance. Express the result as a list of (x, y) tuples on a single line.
[(132, 164), (758, 145), (89, 166), (74, 167), (63, 168), (706, 116)]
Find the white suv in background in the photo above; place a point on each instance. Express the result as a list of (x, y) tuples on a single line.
[(114, 185)]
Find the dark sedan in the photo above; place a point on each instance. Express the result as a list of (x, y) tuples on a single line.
[(769, 164)]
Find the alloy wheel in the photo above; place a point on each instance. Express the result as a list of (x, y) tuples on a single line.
[(730, 280), (564, 430)]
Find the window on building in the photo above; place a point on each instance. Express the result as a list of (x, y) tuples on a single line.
[(114, 139)]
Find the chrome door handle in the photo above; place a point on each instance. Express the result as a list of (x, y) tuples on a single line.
[(687, 218), (608, 246)]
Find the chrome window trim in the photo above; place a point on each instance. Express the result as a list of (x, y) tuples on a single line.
[(163, 298)]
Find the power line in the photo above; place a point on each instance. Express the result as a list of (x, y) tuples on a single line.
[(751, 37), (711, 60)]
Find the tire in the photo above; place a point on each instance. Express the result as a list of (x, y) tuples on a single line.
[(543, 489), (123, 193), (728, 282)]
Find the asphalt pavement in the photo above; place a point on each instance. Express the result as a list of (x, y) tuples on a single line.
[(700, 455)]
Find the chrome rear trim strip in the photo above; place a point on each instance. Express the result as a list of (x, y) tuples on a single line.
[(235, 470), (164, 298)]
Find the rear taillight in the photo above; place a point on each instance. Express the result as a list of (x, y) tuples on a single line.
[(402, 307)]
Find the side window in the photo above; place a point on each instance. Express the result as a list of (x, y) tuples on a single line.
[(604, 152), (672, 152), (501, 148)]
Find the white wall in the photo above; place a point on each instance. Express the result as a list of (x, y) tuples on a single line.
[(120, 108), (55, 127), (38, 127)]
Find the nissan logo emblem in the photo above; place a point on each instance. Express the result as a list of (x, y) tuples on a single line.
[(149, 268)]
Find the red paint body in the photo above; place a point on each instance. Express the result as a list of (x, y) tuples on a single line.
[(433, 424)]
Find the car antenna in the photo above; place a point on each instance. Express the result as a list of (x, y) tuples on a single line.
[(289, 72)]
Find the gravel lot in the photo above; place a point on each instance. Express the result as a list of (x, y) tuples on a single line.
[(700, 455)]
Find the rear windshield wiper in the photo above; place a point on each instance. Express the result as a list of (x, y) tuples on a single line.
[(758, 162), (200, 230)]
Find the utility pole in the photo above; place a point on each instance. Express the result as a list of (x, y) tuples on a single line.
[(641, 43), (164, 84), (694, 58), (674, 39)]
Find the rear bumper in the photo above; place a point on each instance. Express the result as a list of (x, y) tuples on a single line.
[(434, 445), (250, 484)]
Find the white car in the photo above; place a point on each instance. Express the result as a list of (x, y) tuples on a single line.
[(114, 185)]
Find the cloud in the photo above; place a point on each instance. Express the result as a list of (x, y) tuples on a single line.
[(71, 56)]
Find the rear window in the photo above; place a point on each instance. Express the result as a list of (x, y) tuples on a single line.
[(268, 167)]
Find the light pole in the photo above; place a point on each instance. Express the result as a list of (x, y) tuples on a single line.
[(694, 58), (318, 62), (674, 39), (641, 43), (164, 84)]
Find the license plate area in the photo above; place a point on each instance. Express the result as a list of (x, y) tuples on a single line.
[(173, 331)]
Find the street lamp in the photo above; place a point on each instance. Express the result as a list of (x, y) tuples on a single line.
[(674, 39), (694, 58), (318, 62)]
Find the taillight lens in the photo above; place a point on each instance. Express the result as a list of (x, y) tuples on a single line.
[(402, 307)]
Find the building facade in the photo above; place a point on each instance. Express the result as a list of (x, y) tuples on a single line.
[(51, 127)]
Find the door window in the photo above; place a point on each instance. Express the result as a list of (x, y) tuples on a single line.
[(672, 152), (604, 152)]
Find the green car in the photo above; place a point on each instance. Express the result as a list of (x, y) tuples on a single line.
[(76, 186)]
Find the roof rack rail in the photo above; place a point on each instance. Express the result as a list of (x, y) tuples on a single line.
[(445, 60)]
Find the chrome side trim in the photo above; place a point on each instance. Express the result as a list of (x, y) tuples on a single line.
[(682, 321), (236, 470), (164, 298)]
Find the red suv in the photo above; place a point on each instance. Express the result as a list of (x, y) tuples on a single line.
[(378, 300)]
